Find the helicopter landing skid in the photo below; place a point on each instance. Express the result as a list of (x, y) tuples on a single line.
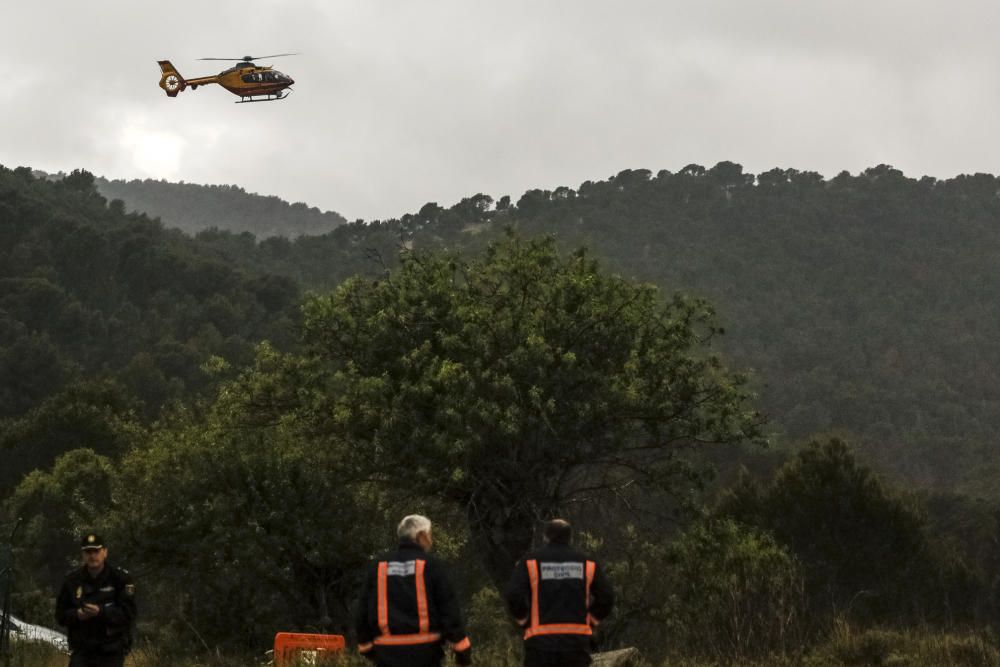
[(269, 98)]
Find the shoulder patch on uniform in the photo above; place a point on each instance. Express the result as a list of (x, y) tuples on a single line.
[(130, 589)]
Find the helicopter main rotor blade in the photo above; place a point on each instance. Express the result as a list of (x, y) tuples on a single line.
[(249, 58)]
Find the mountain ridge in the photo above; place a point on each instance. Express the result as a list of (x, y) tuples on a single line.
[(194, 207)]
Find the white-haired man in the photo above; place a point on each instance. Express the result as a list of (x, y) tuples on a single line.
[(408, 609)]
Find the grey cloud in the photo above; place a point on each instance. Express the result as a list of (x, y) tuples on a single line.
[(399, 103)]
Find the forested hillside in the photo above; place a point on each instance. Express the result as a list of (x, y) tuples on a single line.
[(193, 208), (268, 408), (864, 305), (106, 317)]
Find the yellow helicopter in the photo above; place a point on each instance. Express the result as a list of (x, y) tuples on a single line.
[(245, 79)]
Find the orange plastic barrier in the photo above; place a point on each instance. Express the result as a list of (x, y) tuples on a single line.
[(296, 648)]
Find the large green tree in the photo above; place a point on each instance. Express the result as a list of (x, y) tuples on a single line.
[(515, 384)]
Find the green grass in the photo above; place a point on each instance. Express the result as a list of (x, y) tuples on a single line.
[(846, 647)]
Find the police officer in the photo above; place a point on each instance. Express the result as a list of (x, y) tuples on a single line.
[(408, 610), (558, 596), (97, 605)]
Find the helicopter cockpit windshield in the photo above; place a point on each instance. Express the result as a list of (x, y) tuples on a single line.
[(270, 76)]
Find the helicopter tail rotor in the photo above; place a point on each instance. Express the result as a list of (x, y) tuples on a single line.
[(171, 80)]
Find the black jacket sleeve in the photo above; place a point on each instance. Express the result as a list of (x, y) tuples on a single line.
[(362, 621), (518, 593), (452, 625), (602, 595), (66, 606), (446, 602)]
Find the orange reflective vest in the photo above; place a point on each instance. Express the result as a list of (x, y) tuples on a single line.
[(408, 607), (424, 636), (535, 628)]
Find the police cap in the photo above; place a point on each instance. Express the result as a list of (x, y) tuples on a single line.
[(91, 541)]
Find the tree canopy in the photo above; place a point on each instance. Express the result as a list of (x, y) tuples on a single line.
[(517, 383)]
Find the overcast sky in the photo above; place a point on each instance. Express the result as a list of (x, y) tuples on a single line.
[(400, 103)]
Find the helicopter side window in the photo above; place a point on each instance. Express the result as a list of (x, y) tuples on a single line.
[(248, 78)]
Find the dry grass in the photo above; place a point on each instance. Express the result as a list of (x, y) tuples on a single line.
[(849, 647), (846, 647), (29, 654)]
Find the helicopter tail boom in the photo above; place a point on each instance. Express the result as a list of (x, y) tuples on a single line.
[(171, 80)]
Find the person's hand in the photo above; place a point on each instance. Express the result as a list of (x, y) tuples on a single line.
[(88, 611)]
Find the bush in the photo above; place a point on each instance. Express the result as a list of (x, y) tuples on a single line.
[(849, 646), (865, 548), (738, 594)]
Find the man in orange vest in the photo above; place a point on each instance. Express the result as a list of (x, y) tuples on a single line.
[(408, 608), (558, 596)]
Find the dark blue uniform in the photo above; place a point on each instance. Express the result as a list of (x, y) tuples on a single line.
[(408, 611), (558, 596), (104, 640)]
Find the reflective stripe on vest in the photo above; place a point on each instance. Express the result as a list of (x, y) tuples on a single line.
[(591, 567), (408, 640), (425, 621), (536, 628), (383, 599), (424, 636)]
